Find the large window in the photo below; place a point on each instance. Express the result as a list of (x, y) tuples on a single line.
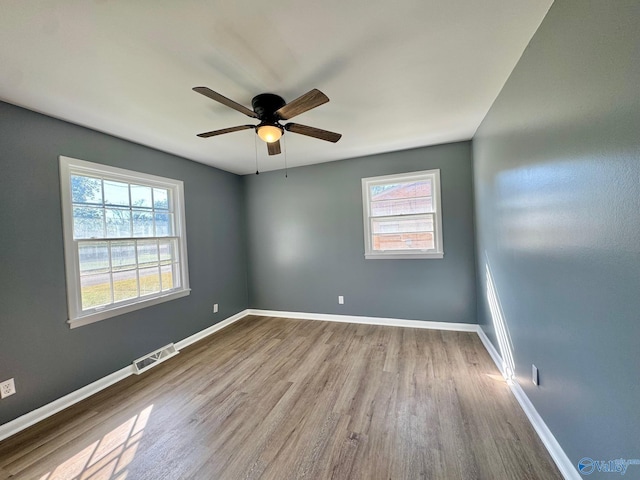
[(124, 237), (402, 216)]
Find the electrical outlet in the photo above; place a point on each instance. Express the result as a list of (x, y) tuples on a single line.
[(7, 388), (215, 308), (534, 375), (340, 300)]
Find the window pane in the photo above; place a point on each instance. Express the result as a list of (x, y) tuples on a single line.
[(142, 223), (118, 222), (86, 189), (168, 251), (404, 206), (149, 280), (141, 196), (88, 222), (95, 290), (167, 273), (160, 199), (403, 241), (147, 253), (116, 193), (122, 247), (400, 225), (125, 285), (93, 257), (164, 224), (400, 190), (123, 255)]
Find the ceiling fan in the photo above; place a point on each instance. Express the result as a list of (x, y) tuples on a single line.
[(270, 109)]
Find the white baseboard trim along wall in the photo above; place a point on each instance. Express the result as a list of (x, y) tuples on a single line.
[(560, 458), (388, 322), (212, 329), (555, 450), (39, 414)]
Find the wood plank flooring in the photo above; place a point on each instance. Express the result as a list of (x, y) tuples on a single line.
[(283, 399)]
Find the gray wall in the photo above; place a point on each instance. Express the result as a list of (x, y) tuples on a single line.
[(557, 179), (37, 348), (306, 243)]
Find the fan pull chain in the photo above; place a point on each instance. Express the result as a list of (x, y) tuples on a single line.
[(255, 142), (285, 157)]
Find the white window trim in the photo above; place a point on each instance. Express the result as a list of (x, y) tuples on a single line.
[(437, 252), (77, 317)]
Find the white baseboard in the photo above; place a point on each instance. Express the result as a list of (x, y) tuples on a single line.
[(212, 329), (560, 458), (389, 322), (563, 462), (493, 353), (39, 414)]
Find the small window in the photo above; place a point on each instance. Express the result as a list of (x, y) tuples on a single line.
[(124, 240), (402, 216)]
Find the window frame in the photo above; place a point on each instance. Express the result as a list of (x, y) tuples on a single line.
[(73, 166), (435, 253)]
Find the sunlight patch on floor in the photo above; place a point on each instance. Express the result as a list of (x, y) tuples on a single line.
[(107, 458)]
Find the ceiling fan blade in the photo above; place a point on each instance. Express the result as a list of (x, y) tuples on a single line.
[(309, 100), (207, 92), (313, 132), (274, 147), (225, 130)]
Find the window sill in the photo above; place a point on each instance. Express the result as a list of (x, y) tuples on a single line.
[(403, 256), (96, 316)]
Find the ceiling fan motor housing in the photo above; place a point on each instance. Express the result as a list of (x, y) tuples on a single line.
[(265, 105)]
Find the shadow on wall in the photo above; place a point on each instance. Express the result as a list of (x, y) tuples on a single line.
[(500, 326)]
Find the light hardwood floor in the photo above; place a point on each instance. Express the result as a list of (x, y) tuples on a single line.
[(292, 399)]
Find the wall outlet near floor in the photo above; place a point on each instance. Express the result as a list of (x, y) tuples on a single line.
[(215, 308), (340, 300), (7, 388), (534, 375)]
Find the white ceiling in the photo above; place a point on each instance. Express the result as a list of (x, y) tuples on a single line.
[(399, 74)]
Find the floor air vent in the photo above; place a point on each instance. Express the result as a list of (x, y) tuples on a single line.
[(152, 359)]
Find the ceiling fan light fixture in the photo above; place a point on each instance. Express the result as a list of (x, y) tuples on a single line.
[(269, 133), (270, 109)]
